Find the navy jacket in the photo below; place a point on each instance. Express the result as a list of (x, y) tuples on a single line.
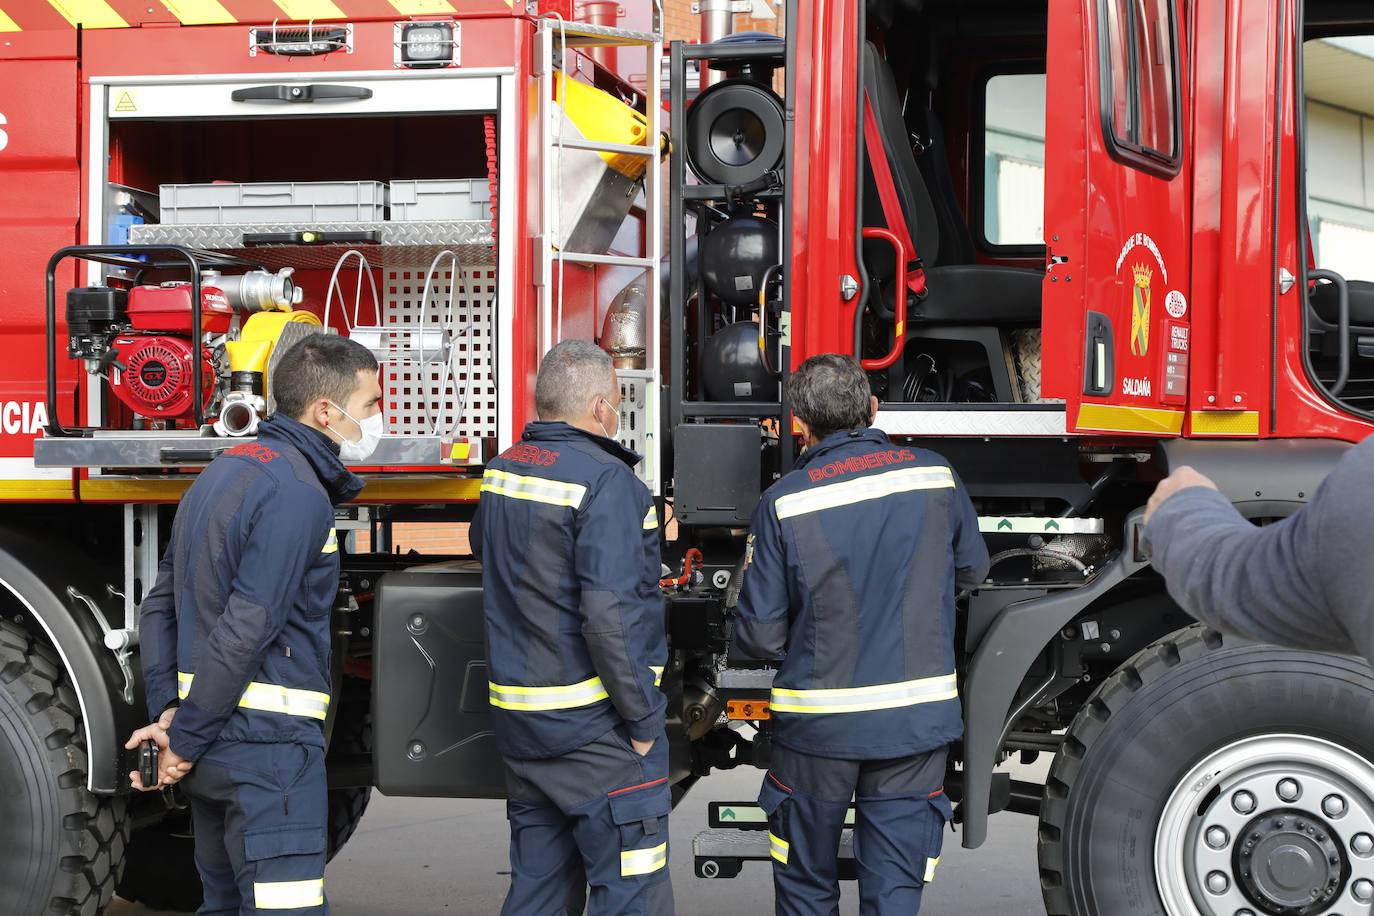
[(237, 625), (569, 543), (852, 564)]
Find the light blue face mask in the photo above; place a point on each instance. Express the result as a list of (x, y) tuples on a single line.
[(370, 436)]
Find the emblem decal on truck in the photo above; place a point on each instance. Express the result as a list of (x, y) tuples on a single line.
[(1140, 309)]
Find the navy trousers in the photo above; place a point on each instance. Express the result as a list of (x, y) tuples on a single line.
[(594, 819), (900, 816), (260, 813)]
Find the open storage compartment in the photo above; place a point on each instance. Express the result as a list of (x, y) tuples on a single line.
[(314, 185)]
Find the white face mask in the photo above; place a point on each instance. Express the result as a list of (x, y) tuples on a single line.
[(370, 437), (603, 425)]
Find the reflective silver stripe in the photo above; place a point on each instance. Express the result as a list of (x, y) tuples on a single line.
[(643, 861), (537, 699), (864, 699), (651, 520), (931, 865), (862, 489), (288, 895), (658, 674), (288, 701), (778, 847), (534, 489)]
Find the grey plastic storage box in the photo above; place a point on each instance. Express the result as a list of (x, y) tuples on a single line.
[(440, 200), (273, 202)]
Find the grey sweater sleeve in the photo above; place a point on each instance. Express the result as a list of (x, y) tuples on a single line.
[(1272, 584)]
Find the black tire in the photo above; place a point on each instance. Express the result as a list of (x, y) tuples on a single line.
[(1151, 722), (61, 848), (162, 870), (352, 737)]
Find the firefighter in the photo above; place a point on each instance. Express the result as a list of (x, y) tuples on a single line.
[(236, 634), (569, 543), (851, 570)]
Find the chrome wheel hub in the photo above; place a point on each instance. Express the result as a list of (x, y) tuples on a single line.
[(1275, 824)]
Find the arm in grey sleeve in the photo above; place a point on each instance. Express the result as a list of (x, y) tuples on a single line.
[(1267, 584)]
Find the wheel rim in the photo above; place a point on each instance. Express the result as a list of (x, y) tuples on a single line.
[(1274, 824)]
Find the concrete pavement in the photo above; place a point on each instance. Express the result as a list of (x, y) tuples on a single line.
[(424, 856)]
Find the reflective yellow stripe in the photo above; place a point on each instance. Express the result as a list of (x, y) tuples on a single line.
[(862, 489), (7, 24), (864, 699), (778, 847), (931, 865), (288, 895), (651, 520), (643, 861), (1119, 419), (305, 10), (289, 701), (1226, 422), (534, 489), (658, 674), (539, 699), (422, 7), (199, 12), (89, 14), (331, 543)]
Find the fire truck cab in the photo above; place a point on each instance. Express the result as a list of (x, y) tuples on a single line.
[(1072, 242)]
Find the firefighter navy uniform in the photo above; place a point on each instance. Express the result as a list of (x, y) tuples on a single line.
[(569, 543), (237, 630), (852, 564)]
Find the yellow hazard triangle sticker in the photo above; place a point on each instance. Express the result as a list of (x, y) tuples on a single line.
[(125, 103)]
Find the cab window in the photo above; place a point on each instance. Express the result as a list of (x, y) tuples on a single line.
[(1014, 160), (1338, 80), (1138, 51)]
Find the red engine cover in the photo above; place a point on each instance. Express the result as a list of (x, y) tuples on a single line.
[(156, 379), (168, 308)]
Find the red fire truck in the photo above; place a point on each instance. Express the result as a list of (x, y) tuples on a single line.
[(188, 185)]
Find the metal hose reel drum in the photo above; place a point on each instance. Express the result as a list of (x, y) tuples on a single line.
[(735, 127), (735, 132)]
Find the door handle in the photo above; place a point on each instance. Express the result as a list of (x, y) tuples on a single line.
[(1099, 374), (1342, 326), (295, 94)]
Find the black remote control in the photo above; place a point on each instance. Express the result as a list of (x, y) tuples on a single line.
[(147, 763)]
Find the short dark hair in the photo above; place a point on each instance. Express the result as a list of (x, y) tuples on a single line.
[(571, 374), (319, 366), (830, 393)]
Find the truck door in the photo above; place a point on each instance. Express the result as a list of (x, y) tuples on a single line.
[(1117, 222), (39, 210)]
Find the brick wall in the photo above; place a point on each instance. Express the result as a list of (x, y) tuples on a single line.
[(430, 538), (681, 23)]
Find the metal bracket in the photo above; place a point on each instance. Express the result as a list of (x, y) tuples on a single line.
[(140, 559), (119, 642), (1286, 280), (849, 287)]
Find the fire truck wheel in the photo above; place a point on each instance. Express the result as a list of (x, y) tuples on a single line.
[(1210, 775), (162, 868), (63, 848), (352, 737)]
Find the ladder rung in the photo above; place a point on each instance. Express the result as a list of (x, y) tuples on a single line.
[(612, 260), (622, 148)]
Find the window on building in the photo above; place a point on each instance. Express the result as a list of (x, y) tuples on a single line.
[(1137, 43), (1014, 159)]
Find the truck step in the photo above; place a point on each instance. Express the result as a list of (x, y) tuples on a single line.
[(722, 853)]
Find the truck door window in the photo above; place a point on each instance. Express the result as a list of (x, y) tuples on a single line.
[(1338, 80), (1138, 50), (1014, 159)]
